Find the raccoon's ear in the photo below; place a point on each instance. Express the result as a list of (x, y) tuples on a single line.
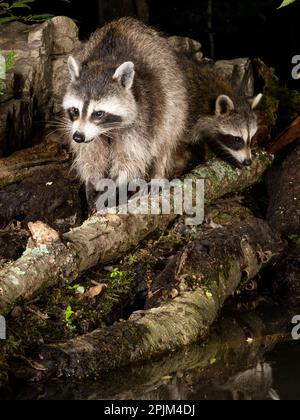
[(224, 105), (125, 74), (74, 68), (254, 102)]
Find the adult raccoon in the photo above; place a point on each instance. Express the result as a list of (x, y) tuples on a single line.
[(135, 105), (129, 105)]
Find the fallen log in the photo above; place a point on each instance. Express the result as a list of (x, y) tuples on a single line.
[(25, 163), (289, 136), (105, 238), (240, 342), (286, 275), (284, 215), (125, 287), (284, 192), (208, 271)]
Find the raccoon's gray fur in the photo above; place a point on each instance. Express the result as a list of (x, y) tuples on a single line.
[(129, 104), (135, 105), (226, 117)]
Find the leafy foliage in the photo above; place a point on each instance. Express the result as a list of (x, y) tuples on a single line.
[(69, 313), (11, 10), (9, 63), (287, 3)]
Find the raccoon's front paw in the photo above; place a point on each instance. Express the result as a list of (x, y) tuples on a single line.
[(92, 209)]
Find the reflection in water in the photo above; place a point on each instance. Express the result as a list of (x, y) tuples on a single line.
[(253, 384), (248, 357)]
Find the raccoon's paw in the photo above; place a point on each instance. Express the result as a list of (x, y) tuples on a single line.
[(92, 208)]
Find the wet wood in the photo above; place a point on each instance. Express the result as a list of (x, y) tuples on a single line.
[(289, 136), (284, 192), (208, 271), (27, 162)]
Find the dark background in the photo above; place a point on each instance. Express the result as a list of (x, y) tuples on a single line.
[(253, 28)]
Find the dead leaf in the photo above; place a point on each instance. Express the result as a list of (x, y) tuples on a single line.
[(95, 291), (264, 256), (35, 311), (214, 225), (43, 234), (174, 293)]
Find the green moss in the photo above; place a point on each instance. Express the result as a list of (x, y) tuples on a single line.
[(295, 239), (269, 105)]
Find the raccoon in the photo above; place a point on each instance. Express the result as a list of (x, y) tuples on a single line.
[(135, 105), (226, 119), (129, 106)]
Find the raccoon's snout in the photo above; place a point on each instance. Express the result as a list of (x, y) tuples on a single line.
[(247, 162), (79, 137)]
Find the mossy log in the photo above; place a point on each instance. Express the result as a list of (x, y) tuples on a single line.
[(240, 343), (105, 238), (208, 271)]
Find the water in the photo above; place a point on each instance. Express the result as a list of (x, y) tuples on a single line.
[(248, 357)]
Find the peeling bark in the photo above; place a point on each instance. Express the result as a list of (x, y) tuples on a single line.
[(105, 238), (208, 271)]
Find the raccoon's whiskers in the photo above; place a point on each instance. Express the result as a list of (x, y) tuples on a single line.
[(107, 135), (63, 131)]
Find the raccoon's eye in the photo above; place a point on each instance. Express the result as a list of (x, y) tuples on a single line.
[(98, 114), (74, 112), (238, 140)]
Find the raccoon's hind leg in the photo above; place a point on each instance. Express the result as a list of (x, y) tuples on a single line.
[(173, 164)]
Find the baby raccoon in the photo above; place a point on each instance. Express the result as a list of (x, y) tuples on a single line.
[(226, 118)]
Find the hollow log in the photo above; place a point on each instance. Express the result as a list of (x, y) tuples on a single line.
[(208, 271), (105, 238)]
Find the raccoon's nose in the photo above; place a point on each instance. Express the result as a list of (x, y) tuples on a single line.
[(79, 137), (247, 162)]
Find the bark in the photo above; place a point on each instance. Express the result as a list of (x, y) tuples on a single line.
[(225, 356), (284, 215), (105, 238), (289, 136), (208, 271), (27, 162), (38, 175), (286, 276), (284, 191)]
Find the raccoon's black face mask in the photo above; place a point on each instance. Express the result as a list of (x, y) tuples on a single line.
[(236, 127), (97, 105)]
